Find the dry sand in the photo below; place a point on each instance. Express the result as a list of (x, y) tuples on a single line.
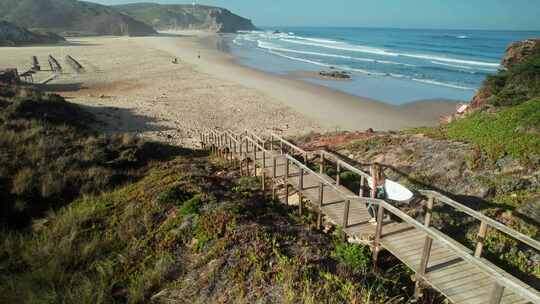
[(132, 86)]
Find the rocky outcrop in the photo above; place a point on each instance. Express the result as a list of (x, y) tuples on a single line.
[(515, 53), (531, 211), (481, 98), (181, 17), (12, 35), (342, 75), (71, 18), (518, 51)]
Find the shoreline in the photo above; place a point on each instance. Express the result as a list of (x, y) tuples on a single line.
[(345, 111), (132, 86)]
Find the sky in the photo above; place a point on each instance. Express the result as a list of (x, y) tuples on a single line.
[(434, 14)]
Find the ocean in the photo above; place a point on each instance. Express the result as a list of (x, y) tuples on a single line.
[(396, 66)]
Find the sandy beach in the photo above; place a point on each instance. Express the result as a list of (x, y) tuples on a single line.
[(132, 86)]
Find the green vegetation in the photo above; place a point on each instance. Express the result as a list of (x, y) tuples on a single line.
[(68, 17), (49, 156), (509, 131), (110, 224), (138, 243), (356, 257), (515, 85), (182, 16), (506, 131), (12, 35), (512, 126)]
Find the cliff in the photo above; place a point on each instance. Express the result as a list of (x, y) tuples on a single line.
[(71, 17), (179, 17), (519, 81), (12, 35)]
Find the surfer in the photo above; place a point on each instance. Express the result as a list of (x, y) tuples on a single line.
[(378, 189)]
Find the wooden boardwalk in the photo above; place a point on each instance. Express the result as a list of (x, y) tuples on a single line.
[(459, 274)]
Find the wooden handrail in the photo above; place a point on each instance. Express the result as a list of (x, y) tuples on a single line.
[(502, 279), (465, 253), (256, 137), (323, 180), (288, 143), (256, 144), (344, 164), (479, 216)]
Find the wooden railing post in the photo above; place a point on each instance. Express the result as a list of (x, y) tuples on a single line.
[(235, 151), (496, 294), (274, 165), (287, 170), (305, 158), (221, 140), (480, 239), (271, 142), (281, 146), (264, 160), (287, 164), (300, 189), (263, 180), (241, 167), (427, 250), (255, 160), (338, 174), (362, 186), (346, 214), (321, 165), (321, 199), (378, 234)]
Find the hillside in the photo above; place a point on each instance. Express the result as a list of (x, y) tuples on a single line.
[(50, 156), (119, 220), (12, 35), (71, 17), (178, 17)]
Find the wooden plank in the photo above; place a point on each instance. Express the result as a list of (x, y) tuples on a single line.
[(450, 270), (491, 222)]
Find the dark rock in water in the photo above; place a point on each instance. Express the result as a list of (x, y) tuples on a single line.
[(335, 74), (13, 35), (277, 32)]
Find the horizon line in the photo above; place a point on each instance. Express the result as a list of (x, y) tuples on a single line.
[(402, 28)]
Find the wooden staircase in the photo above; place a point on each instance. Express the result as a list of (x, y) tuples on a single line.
[(460, 274)]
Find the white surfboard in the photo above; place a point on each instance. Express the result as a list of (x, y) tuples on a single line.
[(395, 191)]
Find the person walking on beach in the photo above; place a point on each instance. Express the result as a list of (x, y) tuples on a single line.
[(378, 189)]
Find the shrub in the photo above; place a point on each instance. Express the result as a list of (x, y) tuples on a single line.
[(192, 205), (354, 256), (502, 133), (247, 186), (49, 155), (516, 85), (174, 195)]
